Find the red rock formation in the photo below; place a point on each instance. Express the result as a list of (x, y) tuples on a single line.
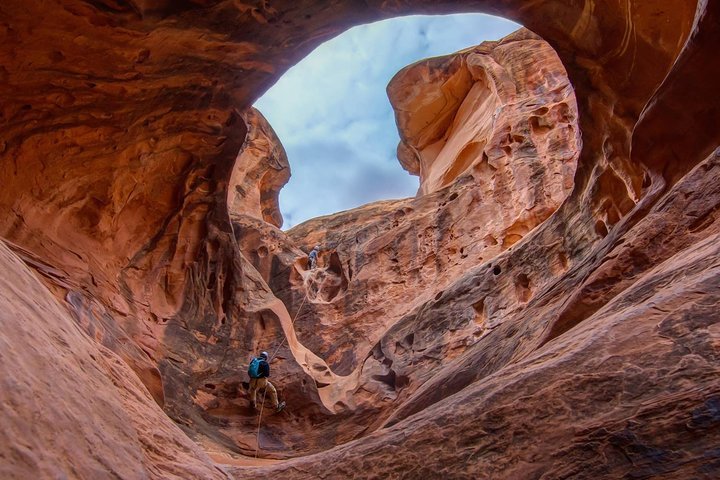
[(382, 261), (628, 388), (70, 407), (120, 126), (485, 109), (259, 173), (385, 260)]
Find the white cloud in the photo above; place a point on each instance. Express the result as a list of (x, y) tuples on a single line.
[(332, 114)]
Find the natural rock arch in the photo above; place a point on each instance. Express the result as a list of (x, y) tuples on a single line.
[(121, 124), (199, 68)]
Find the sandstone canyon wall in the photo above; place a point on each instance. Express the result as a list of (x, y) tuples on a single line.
[(381, 262), (470, 332)]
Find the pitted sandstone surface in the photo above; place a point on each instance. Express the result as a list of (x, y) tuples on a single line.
[(546, 305)]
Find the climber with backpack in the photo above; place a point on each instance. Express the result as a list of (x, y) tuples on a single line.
[(259, 371), (313, 257)]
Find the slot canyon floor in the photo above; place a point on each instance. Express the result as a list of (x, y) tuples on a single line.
[(545, 307)]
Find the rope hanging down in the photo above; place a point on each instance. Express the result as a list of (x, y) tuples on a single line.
[(262, 405)]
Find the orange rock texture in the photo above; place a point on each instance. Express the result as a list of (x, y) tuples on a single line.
[(70, 407), (545, 308), (496, 107), (260, 171)]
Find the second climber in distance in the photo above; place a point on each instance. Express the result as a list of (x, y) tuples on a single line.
[(313, 257)]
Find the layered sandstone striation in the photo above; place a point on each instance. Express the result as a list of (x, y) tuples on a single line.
[(72, 408), (589, 382), (139, 276)]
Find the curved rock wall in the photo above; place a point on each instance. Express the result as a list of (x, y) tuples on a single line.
[(70, 407), (260, 171), (392, 257), (496, 107), (120, 126)]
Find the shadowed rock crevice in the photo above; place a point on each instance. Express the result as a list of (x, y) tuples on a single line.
[(325, 284)]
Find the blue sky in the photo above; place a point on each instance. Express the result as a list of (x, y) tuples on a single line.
[(333, 117)]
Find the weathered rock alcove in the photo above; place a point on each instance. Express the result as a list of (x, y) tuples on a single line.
[(130, 294)]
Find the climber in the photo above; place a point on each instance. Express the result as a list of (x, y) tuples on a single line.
[(259, 371), (312, 258)]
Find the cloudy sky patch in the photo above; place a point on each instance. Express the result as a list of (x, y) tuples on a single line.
[(333, 117)]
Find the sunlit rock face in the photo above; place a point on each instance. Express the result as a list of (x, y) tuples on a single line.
[(384, 260), (381, 262), (504, 109), (259, 173), (120, 128)]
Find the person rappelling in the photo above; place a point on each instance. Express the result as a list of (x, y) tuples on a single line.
[(313, 256), (259, 372)]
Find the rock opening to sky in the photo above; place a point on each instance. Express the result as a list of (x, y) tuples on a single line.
[(333, 117)]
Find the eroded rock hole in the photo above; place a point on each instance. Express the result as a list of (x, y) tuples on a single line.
[(540, 125), (560, 265), (522, 287), (328, 283), (601, 228), (480, 309), (388, 378)]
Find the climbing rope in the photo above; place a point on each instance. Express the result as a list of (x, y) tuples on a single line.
[(262, 405), (257, 434)]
